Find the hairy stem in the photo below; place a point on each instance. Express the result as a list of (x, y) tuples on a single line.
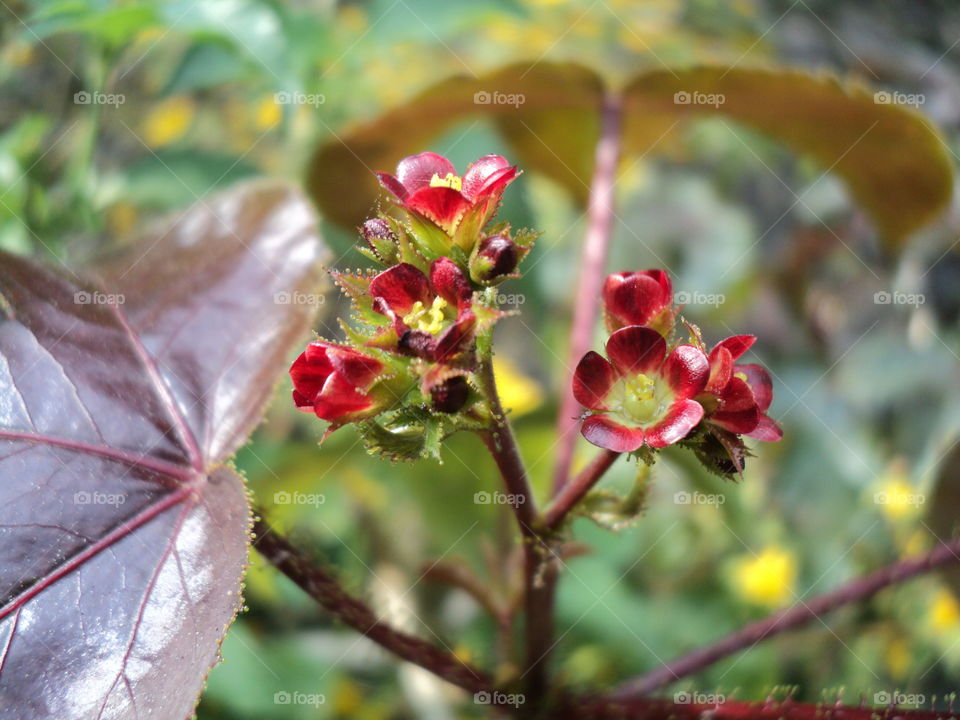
[(799, 614), (539, 571), (573, 492), (593, 264), (323, 587)]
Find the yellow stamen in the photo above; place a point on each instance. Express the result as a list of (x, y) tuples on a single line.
[(450, 181), (430, 319), (639, 399)]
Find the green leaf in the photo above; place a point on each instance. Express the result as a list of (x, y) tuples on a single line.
[(890, 157)]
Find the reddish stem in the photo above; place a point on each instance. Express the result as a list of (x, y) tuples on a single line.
[(799, 614), (323, 587), (593, 264), (664, 709), (573, 492), (540, 572)]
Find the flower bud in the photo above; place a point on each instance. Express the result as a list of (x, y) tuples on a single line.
[(450, 395), (495, 258), (381, 239)]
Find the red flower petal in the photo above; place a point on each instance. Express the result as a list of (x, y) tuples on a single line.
[(737, 345), (443, 205), (396, 289), (339, 399), (489, 167), (309, 372), (415, 171), (449, 282), (393, 185), (767, 430), (592, 381), (604, 432), (492, 186), (721, 369), (636, 298), (737, 421), (356, 368), (737, 395), (683, 417), (759, 381), (453, 339), (636, 349), (687, 370)]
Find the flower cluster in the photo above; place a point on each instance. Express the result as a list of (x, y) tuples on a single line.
[(652, 390), (407, 371)]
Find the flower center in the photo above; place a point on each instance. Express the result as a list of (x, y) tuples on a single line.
[(429, 319), (640, 402), (450, 181)]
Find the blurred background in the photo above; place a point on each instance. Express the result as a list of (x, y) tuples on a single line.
[(867, 386)]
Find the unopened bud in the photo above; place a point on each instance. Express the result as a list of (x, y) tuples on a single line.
[(450, 395), (381, 239), (496, 257)]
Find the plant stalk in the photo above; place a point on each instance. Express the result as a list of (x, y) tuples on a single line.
[(800, 614), (575, 490), (590, 284)]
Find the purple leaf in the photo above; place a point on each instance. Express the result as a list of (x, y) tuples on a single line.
[(123, 535)]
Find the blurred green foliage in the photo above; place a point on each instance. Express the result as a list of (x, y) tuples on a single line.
[(867, 390)]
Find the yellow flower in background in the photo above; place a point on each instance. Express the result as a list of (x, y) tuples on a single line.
[(353, 18), (518, 393), (894, 494), (347, 698), (267, 113), (944, 613), (766, 579), (168, 122), (897, 657)]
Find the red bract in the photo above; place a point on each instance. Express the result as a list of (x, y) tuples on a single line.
[(433, 317), (642, 395), (338, 383), (428, 185), (638, 298), (737, 396)]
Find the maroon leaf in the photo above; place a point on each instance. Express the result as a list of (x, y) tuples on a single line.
[(123, 536)]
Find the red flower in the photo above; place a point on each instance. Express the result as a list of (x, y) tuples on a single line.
[(641, 396), (428, 185), (338, 383), (433, 317), (638, 298), (738, 396)]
